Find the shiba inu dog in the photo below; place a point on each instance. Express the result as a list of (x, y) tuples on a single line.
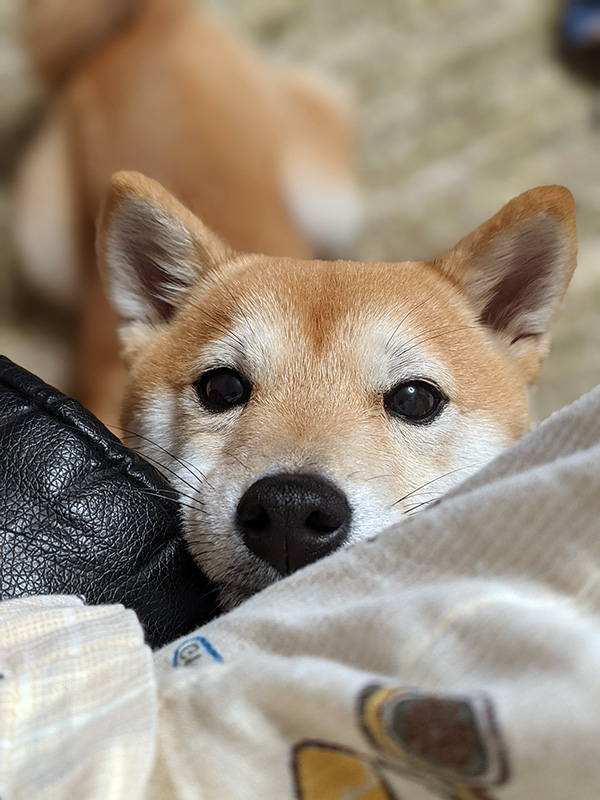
[(263, 153), (303, 405)]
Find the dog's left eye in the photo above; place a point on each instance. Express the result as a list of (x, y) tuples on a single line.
[(415, 401), (220, 389)]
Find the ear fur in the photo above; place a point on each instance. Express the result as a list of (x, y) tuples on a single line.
[(515, 268), (151, 249)]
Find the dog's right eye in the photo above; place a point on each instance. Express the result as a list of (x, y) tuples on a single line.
[(221, 389)]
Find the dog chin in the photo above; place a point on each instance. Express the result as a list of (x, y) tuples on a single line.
[(233, 594), (244, 575)]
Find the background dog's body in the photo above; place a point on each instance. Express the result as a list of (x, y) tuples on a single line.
[(300, 405), (263, 154)]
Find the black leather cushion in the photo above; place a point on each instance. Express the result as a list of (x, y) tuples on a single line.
[(82, 514)]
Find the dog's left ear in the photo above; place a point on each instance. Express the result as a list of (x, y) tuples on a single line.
[(515, 269)]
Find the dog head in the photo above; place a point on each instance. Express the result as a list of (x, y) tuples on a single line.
[(301, 405)]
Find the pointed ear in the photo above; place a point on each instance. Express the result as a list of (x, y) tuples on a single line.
[(151, 249), (515, 269)]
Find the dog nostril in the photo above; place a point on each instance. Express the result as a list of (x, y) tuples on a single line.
[(253, 517), (321, 522)]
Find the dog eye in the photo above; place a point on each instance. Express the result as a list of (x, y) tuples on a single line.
[(415, 401), (220, 389)]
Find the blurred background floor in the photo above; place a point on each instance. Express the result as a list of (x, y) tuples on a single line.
[(460, 106)]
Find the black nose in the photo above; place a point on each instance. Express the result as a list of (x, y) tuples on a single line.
[(291, 520)]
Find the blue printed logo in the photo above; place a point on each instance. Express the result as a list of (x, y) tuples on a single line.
[(192, 650)]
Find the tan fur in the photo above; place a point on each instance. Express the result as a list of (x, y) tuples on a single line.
[(321, 344), (190, 104)]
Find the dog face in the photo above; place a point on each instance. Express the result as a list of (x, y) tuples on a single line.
[(302, 405)]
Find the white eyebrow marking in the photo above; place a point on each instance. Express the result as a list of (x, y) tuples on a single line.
[(256, 344), (394, 352)]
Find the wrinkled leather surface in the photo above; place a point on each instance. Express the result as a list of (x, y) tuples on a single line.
[(79, 514)]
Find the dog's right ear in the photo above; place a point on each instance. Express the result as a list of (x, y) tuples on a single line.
[(151, 249)]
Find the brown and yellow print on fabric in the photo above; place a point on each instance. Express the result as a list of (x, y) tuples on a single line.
[(327, 772), (449, 743)]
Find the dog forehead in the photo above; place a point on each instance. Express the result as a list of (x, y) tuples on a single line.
[(320, 301)]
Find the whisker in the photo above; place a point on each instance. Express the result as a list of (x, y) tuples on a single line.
[(195, 473), (177, 493), (170, 494), (150, 493), (163, 466), (229, 454), (406, 316), (380, 477), (439, 332), (433, 480), (352, 474), (412, 509)]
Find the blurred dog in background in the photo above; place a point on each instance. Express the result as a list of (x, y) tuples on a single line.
[(262, 153)]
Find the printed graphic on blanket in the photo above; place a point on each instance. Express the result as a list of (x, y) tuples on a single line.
[(325, 772), (192, 650), (449, 745)]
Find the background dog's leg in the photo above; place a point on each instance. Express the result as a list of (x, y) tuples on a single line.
[(46, 217)]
